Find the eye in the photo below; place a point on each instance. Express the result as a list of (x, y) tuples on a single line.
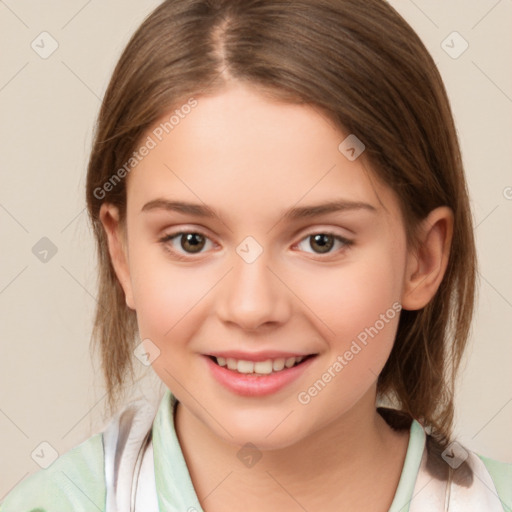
[(193, 242), (190, 242), (322, 243)]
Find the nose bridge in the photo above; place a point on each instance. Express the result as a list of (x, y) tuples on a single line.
[(252, 295)]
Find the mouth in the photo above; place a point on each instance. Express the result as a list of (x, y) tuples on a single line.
[(257, 374), (260, 368)]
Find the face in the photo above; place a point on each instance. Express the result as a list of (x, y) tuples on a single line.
[(271, 280)]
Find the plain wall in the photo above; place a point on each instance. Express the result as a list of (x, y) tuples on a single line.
[(51, 388)]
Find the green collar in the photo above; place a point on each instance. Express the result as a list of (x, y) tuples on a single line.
[(174, 485)]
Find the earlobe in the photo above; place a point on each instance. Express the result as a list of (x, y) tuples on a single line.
[(117, 247), (427, 263)]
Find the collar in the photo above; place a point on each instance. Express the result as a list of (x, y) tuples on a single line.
[(174, 485)]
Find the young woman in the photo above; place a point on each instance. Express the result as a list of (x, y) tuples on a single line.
[(284, 234)]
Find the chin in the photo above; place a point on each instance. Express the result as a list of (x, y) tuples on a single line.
[(264, 431)]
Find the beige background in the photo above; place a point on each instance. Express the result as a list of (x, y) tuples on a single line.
[(51, 390)]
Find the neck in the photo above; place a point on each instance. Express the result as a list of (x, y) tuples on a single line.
[(343, 460)]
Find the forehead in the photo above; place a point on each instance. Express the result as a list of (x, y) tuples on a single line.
[(241, 151)]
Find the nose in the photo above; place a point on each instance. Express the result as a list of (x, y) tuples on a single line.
[(253, 295)]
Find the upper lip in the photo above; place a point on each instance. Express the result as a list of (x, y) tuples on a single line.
[(256, 356)]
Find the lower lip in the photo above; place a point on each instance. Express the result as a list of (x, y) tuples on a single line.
[(256, 385)]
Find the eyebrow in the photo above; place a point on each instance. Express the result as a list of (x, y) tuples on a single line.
[(202, 210)]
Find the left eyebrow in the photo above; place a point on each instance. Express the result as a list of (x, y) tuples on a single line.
[(202, 210), (341, 205)]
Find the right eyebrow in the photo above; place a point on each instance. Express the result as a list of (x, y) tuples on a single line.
[(197, 210)]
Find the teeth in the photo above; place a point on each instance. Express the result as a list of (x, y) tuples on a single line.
[(245, 366), (264, 367), (259, 367), (278, 364), (289, 362)]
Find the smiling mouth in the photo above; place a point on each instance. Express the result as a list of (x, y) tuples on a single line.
[(261, 368)]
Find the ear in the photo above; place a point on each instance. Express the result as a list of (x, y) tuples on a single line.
[(426, 264), (117, 247)]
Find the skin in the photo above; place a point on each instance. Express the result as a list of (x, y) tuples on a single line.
[(251, 158)]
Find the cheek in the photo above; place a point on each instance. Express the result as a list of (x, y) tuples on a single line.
[(358, 306), (163, 292), (359, 317), (171, 302)]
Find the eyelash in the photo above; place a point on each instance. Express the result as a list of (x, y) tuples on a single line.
[(179, 256)]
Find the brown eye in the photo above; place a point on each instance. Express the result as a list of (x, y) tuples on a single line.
[(192, 242), (323, 243)]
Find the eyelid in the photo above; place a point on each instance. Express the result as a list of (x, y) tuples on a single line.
[(184, 231), (179, 255), (347, 242), (326, 230)]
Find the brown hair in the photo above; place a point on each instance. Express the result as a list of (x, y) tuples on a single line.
[(361, 64)]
